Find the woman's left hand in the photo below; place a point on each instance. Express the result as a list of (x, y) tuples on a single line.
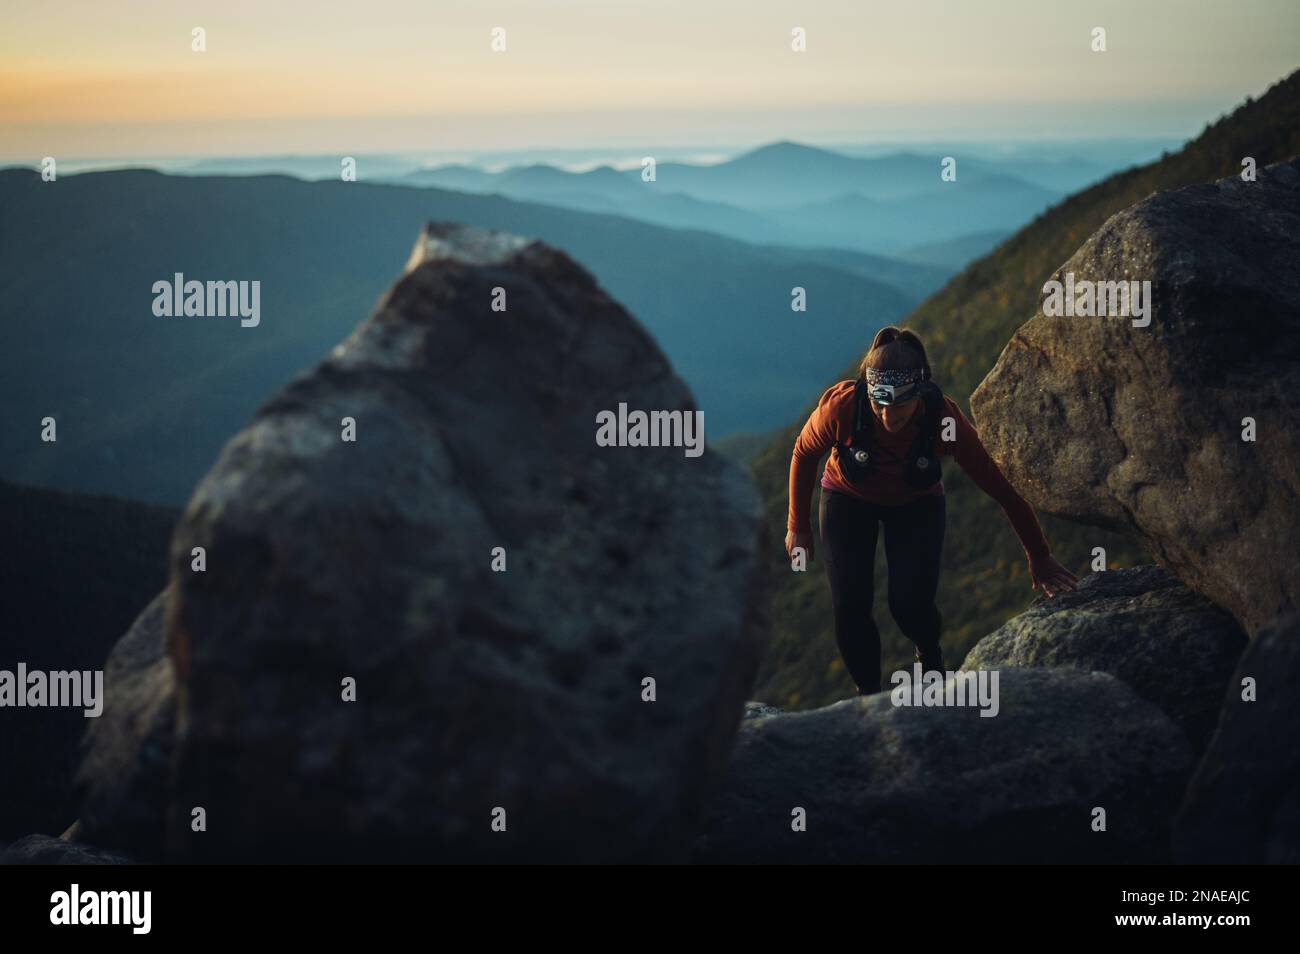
[(1051, 576)]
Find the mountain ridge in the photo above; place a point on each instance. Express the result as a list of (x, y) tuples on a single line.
[(143, 403)]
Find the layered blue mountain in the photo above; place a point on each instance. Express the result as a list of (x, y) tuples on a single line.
[(789, 194), (143, 404)]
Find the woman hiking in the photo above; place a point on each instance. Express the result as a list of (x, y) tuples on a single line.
[(886, 431)]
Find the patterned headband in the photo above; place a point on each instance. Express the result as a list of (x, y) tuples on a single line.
[(894, 377)]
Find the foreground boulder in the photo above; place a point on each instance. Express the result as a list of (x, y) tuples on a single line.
[(881, 783), (1243, 803), (125, 772), (495, 587), (1140, 429), (1171, 645), (48, 850)]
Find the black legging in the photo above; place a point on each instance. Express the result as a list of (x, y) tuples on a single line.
[(913, 546)]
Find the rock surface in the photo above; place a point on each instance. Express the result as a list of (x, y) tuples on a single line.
[(1139, 429), (481, 696), (124, 777), (881, 783), (47, 850), (1243, 803), (1170, 645)]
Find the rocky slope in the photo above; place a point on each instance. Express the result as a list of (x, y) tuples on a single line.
[(1106, 697), (1169, 644), (881, 783)]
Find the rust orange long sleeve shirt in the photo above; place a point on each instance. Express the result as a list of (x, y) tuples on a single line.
[(832, 421)]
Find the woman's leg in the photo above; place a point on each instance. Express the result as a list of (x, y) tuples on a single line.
[(848, 528), (913, 549)]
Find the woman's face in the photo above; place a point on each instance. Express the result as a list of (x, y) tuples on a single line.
[(894, 417)]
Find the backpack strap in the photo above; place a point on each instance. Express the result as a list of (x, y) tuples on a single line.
[(859, 440), (934, 407), (924, 448), (859, 401)]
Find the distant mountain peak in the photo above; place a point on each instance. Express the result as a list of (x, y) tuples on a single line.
[(785, 149)]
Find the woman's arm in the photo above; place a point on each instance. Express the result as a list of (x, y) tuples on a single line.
[(816, 437), (1044, 569)]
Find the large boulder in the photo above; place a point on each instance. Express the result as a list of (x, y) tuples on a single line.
[(883, 783), (483, 699), (1243, 803), (1170, 644), (122, 784), (1140, 429)]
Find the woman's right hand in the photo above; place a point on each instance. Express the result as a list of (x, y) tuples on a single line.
[(793, 539)]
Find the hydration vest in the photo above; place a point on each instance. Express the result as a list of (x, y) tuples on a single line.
[(920, 467)]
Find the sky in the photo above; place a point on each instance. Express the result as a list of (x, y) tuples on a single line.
[(120, 78)]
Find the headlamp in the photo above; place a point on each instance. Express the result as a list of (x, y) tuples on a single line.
[(891, 387)]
